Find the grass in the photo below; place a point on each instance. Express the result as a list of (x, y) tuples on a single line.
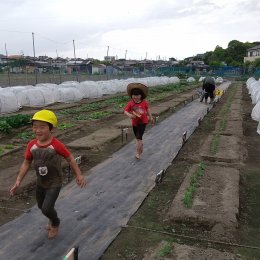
[(214, 144), (165, 250), (194, 183)]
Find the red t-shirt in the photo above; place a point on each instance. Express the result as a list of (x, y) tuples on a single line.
[(139, 109), (47, 161)]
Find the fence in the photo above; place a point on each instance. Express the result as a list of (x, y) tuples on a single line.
[(21, 79)]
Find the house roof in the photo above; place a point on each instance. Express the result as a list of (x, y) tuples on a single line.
[(15, 57), (255, 48)]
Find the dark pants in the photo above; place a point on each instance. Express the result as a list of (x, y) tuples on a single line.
[(139, 131), (46, 199)]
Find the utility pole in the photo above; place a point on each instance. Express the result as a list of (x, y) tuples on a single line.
[(58, 65), (75, 60), (125, 60), (35, 71), (107, 60), (145, 61), (8, 72)]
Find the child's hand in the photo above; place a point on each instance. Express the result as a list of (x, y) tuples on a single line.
[(152, 120), (132, 116), (81, 181), (14, 188), (136, 114)]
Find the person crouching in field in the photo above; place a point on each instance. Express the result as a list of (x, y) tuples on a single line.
[(45, 151), (208, 88), (139, 111)]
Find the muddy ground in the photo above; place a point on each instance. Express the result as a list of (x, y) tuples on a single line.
[(147, 228)]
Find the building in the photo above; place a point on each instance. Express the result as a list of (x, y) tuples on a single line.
[(253, 53)]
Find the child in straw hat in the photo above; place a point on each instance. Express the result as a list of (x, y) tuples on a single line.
[(139, 111)]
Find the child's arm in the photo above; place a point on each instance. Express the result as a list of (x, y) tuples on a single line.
[(22, 172), (76, 170), (130, 115), (150, 115)]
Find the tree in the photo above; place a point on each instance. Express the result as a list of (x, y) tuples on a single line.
[(256, 63)]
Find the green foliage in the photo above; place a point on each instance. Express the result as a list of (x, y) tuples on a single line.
[(26, 136), (5, 127), (9, 146), (194, 183), (65, 126), (233, 55), (7, 123), (18, 120), (99, 115), (214, 144), (6, 147), (256, 63), (165, 250)]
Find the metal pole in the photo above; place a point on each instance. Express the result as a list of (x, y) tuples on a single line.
[(107, 60), (59, 66), (75, 59), (125, 60), (145, 61), (36, 80), (8, 72)]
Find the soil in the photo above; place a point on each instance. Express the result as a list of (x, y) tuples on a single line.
[(148, 228)]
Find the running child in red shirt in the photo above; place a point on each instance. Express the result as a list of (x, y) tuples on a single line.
[(139, 111), (46, 151)]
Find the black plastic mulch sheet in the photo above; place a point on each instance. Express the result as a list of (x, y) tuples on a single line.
[(92, 217)]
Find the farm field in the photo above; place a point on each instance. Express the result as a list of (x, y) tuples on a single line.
[(149, 235), (76, 120)]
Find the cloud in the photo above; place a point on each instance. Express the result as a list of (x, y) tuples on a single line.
[(165, 28)]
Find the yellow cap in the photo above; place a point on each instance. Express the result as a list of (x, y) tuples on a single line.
[(46, 116)]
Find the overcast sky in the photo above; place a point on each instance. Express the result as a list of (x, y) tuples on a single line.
[(136, 29)]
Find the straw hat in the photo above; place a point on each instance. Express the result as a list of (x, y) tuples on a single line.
[(140, 86)]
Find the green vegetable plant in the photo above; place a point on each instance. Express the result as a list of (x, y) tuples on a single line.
[(15, 121), (26, 136), (64, 126), (194, 184), (165, 250), (95, 115)]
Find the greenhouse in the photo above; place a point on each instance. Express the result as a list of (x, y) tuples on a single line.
[(14, 98)]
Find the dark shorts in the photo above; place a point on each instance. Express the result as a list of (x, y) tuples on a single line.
[(139, 131)]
